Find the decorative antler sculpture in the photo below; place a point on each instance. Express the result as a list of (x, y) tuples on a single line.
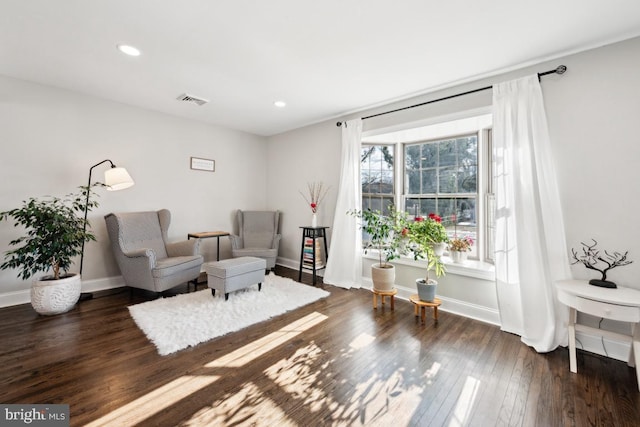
[(591, 258)]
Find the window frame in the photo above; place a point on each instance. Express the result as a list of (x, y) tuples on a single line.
[(483, 195), (394, 195)]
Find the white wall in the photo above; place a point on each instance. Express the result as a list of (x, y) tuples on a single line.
[(51, 137), (311, 154), (593, 111)]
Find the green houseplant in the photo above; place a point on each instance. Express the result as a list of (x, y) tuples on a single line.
[(423, 234), (385, 234), (54, 235)]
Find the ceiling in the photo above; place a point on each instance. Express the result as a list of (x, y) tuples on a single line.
[(325, 58)]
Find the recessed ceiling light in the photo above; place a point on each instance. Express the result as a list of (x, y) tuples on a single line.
[(280, 104), (129, 50)]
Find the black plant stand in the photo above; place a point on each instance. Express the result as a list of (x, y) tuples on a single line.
[(313, 233)]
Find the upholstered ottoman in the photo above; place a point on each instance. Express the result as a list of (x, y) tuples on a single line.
[(234, 274)]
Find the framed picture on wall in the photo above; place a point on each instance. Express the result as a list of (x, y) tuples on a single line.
[(200, 164)]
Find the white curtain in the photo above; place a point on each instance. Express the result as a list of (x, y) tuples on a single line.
[(344, 266), (531, 251)]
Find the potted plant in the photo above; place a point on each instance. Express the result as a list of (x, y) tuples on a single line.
[(423, 234), (458, 248), (54, 235), (385, 233), (434, 232)]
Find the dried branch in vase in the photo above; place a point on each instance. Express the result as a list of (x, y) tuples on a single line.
[(316, 193)]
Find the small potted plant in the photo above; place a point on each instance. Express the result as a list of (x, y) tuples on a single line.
[(432, 230), (458, 248), (54, 235), (385, 235), (423, 234)]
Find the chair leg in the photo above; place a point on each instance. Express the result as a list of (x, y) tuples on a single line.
[(226, 297), (259, 287), (213, 292)]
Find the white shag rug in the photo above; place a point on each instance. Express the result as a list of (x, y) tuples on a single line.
[(184, 320)]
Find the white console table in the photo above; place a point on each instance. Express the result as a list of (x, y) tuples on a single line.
[(622, 304)]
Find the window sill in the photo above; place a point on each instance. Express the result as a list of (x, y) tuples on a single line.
[(470, 268)]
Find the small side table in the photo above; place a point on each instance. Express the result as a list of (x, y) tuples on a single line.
[(621, 304), (422, 305), (314, 263), (206, 235), (391, 294)]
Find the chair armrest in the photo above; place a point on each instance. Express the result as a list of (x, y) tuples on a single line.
[(183, 248), (276, 241), (236, 242), (142, 256)]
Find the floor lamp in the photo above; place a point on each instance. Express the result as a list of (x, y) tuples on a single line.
[(115, 179)]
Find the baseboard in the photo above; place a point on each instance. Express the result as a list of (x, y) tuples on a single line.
[(614, 349), (8, 299), (450, 305), (295, 265), (618, 350)]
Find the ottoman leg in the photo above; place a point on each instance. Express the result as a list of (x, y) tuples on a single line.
[(259, 287), (226, 296), (213, 292)]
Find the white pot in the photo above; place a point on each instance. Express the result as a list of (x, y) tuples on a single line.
[(383, 278), (439, 248), (426, 289), (55, 296), (459, 257)]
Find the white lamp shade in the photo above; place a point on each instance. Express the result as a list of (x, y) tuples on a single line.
[(117, 179)]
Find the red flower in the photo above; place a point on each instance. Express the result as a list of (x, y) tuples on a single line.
[(435, 217), (405, 231), (418, 219)]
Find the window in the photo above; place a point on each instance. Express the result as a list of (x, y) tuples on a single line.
[(377, 177), (441, 168), (441, 176)]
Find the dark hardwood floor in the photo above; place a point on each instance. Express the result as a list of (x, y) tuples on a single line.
[(345, 364)]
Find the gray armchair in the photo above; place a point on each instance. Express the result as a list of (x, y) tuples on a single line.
[(257, 236), (145, 257)]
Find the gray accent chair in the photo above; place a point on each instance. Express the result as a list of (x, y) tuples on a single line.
[(257, 236), (145, 257)]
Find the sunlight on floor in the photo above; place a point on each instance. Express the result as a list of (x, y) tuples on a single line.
[(180, 388), (465, 403), (300, 376), (432, 372), (306, 376), (361, 341), (247, 406), (249, 352), (153, 402)]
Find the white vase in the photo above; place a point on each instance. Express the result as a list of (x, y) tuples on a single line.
[(383, 278), (55, 296), (314, 220), (439, 248), (458, 257)]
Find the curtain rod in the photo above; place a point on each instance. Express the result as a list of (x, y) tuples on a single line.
[(559, 70)]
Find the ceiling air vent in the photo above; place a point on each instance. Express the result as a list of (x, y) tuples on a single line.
[(190, 98)]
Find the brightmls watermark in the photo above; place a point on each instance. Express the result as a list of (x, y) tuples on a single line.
[(34, 415)]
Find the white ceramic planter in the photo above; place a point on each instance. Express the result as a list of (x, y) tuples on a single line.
[(458, 257), (55, 296), (439, 248), (383, 278)]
